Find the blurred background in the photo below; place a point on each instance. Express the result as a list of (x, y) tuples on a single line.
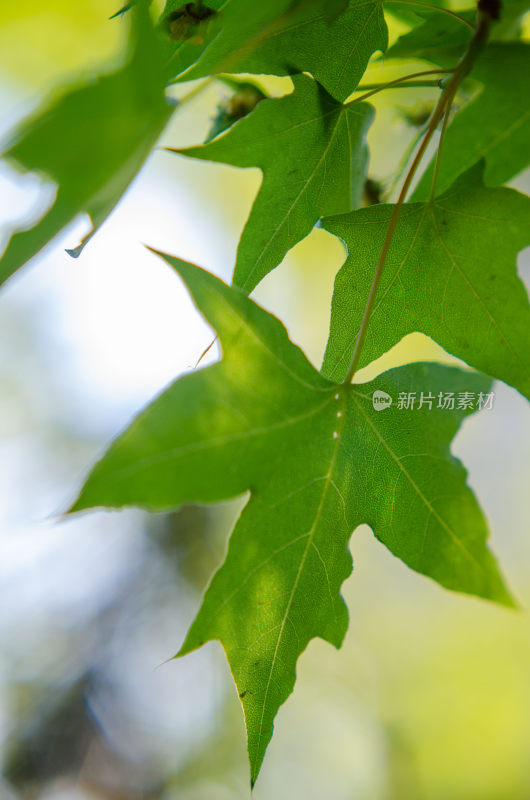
[(428, 699)]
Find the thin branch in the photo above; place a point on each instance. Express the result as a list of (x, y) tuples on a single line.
[(404, 85), (395, 83), (462, 69)]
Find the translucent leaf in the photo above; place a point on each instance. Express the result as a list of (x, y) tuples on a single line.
[(318, 460)]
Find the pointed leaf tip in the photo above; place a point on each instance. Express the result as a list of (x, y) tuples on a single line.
[(313, 154)]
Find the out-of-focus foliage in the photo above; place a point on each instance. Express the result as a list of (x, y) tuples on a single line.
[(42, 42), (91, 142)]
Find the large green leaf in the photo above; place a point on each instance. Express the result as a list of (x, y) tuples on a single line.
[(92, 141), (495, 125), (318, 460), (313, 154), (283, 37), (450, 273)]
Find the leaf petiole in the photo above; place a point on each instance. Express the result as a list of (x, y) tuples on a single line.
[(404, 85), (399, 83), (464, 66), (447, 112)]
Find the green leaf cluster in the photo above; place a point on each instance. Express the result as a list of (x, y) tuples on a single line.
[(315, 453)]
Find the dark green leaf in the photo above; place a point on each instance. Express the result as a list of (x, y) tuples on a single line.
[(318, 460), (437, 36), (435, 32), (312, 151), (92, 142), (494, 126), (450, 273), (280, 37)]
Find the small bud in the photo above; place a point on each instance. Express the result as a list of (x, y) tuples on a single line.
[(189, 23), (241, 103)]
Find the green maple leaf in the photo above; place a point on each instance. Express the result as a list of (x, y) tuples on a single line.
[(495, 125), (435, 38), (92, 142), (313, 154), (436, 33), (450, 274), (318, 461), (333, 42)]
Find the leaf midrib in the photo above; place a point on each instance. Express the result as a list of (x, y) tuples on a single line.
[(305, 187), (310, 540), (348, 345)]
